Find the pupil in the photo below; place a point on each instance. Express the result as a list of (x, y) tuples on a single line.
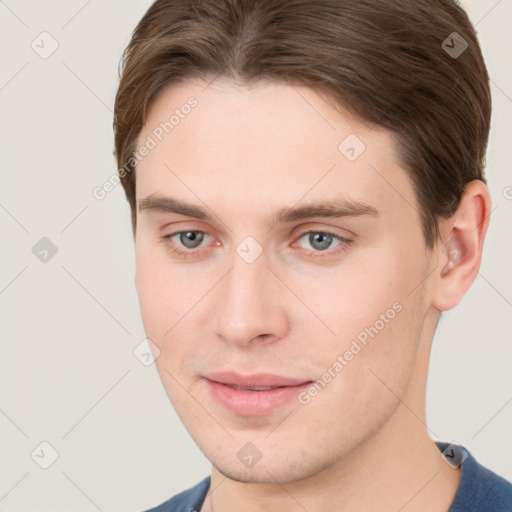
[(320, 241), (191, 239)]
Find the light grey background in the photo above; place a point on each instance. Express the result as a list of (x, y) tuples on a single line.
[(68, 375)]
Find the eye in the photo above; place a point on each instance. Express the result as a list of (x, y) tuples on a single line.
[(189, 239), (322, 241), (185, 243), (188, 243)]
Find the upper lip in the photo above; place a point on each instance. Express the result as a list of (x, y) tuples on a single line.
[(255, 380)]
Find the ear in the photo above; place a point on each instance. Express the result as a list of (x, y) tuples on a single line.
[(459, 250)]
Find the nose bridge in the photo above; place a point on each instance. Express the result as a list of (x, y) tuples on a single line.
[(246, 306)]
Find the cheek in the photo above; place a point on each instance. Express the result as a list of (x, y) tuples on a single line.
[(352, 303), (157, 293), (172, 304), (163, 312), (364, 379), (376, 320)]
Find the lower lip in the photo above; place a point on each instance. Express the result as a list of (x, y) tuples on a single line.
[(254, 403)]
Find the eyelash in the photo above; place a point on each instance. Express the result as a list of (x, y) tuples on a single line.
[(191, 253)]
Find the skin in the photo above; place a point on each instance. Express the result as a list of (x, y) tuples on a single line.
[(243, 154)]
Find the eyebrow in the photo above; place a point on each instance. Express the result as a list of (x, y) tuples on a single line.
[(328, 209)]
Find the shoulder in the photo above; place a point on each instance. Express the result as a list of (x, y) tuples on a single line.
[(484, 488), (190, 500), (479, 488)]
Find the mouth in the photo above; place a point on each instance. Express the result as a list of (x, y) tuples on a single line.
[(254, 388), (253, 395)]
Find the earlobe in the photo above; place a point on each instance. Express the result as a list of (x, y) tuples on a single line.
[(460, 248)]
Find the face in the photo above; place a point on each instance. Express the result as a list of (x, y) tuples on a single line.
[(279, 264)]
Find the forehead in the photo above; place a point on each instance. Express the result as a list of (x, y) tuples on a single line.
[(272, 141), (284, 117)]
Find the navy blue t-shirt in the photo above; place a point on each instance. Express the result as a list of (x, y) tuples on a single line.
[(480, 489)]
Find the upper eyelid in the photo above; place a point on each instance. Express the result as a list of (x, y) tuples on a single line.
[(302, 233), (328, 229)]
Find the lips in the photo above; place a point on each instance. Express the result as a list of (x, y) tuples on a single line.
[(253, 395)]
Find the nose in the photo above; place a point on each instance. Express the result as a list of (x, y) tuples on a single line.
[(250, 304)]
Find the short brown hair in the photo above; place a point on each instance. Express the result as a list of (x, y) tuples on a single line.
[(386, 62)]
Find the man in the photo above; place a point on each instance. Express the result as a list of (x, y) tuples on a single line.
[(307, 194)]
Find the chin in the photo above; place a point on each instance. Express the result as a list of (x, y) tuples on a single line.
[(281, 469)]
